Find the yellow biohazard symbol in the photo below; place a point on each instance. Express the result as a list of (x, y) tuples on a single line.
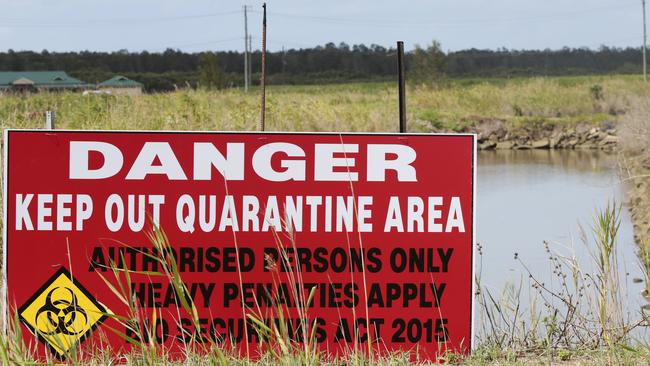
[(62, 313)]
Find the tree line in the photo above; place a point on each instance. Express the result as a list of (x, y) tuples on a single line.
[(329, 63)]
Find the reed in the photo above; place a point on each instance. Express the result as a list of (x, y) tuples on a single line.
[(581, 310)]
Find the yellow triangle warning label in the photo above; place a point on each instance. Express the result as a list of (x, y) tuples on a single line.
[(62, 313)]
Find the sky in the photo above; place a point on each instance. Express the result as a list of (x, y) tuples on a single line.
[(199, 25)]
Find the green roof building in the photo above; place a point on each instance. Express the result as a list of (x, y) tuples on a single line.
[(40, 80), (121, 85)]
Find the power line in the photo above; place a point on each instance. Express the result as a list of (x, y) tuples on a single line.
[(205, 43), (46, 23), (285, 42), (291, 43), (389, 23)]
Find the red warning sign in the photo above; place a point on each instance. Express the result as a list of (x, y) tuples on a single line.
[(348, 241)]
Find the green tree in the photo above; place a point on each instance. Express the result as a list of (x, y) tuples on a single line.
[(210, 74), (427, 65)]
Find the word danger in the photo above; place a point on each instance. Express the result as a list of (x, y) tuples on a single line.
[(331, 162)]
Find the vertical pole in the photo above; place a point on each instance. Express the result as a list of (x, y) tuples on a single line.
[(402, 95), (263, 81), (246, 49), (50, 117), (250, 58), (645, 39)]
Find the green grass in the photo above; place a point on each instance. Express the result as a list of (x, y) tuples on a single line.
[(373, 107), (363, 107)]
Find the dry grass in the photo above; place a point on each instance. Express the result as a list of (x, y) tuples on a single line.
[(551, 336), (635, 162), (581, 323), (350, 107), (635, 128)]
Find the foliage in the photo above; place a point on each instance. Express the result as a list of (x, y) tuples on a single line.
[(575, 309), (330, 63), (210, 74), (596, 92), (427, 65)]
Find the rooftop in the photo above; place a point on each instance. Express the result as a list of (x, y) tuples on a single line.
[(119, 81), (40, 79)]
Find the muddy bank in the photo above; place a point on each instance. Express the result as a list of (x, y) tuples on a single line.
[(636, 166), (636, 171), (628, 137), (497, 134), (634, 152), (639, 200)]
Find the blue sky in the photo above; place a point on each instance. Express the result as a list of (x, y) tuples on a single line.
[(196, 25)]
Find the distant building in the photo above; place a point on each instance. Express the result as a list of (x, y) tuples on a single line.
[(33, 81), (121, 85)]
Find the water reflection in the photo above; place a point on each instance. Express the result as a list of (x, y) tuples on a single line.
[(578, 160), (527, 197)]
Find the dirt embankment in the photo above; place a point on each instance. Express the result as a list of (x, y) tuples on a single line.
[(497, 134), (629, 137), (638, 171), (635, 161)]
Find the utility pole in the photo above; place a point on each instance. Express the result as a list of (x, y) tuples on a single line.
[(246, 54), (645, 38), (263, 81), (250, 59)]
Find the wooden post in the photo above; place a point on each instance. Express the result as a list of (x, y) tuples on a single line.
[(402, 93), (645, 41)]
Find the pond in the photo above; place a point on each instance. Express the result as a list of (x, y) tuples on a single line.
[(528, 197)]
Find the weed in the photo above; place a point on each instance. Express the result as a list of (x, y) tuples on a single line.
[(596, 91), (582, 311)]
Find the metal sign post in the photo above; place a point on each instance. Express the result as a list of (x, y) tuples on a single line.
[(402, 95), (50, 117)]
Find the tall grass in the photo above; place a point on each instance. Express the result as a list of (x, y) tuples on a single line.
[(634, 157), (579, 309), (584, 317), (346, 107)]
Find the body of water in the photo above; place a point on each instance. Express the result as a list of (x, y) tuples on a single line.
[(525, 198)]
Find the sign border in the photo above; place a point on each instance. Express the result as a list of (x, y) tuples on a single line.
[(4, 308)]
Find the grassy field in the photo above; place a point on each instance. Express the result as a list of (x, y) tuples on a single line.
[(565, 334), (350, 107), (583, 321)]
